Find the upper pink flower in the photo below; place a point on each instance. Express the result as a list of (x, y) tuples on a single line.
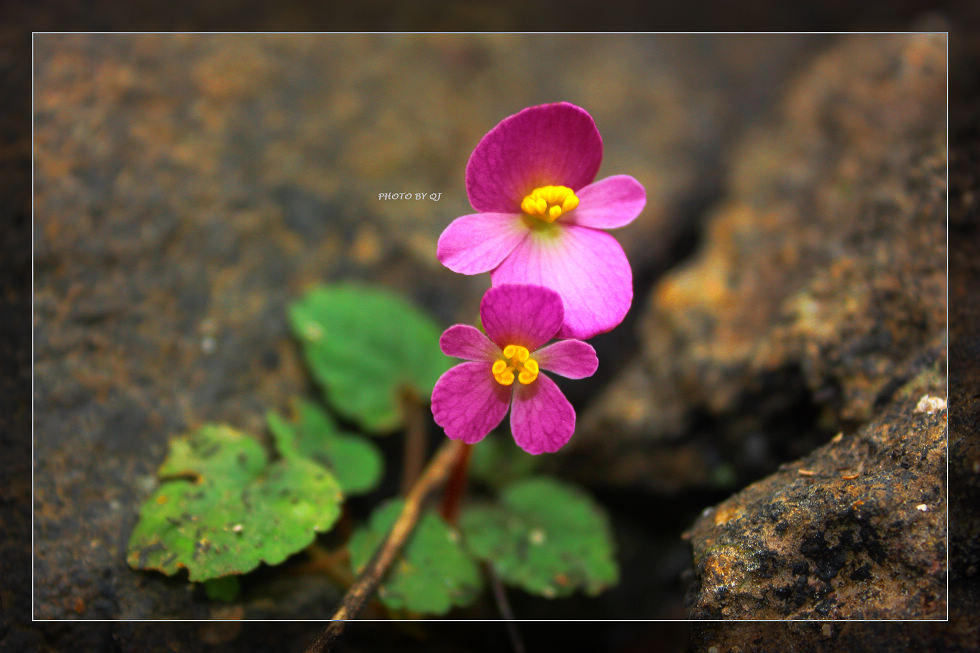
[(472, 398), (540, 214)]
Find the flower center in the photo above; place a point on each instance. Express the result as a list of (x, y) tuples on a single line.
[(549, 202), (516, 359)]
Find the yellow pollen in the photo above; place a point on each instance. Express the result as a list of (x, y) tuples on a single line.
[(516, 359), (548, 203)]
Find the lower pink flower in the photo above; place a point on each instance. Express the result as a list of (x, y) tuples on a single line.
[(504, 371)]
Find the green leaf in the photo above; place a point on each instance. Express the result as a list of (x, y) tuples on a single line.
[(498, 461), (545, 537), (222, 589), (356, 462), (366, 347), (431, 575), (223, 507)]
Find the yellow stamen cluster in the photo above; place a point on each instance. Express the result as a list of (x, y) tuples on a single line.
[(516, 359), (549, 202)]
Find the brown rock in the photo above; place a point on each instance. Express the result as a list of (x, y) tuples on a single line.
[(855, 530), (962, 631), (821, 274)]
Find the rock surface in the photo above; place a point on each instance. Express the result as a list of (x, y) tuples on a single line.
[(916, 545), (854, 530), (820, 276)]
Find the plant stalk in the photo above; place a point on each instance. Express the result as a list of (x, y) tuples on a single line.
[(414, 444), (453, 494)]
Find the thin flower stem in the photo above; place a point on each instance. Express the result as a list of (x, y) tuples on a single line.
[(413, 453), (344, 525), (503, 605), (364, 587), (457, 483)]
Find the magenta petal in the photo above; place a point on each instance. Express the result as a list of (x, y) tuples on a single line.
[(572, 359), (477, 243), (586, 267), (467, 403), (609, 203), (550, 144), (541, 419), (465, 341), (521, 315)]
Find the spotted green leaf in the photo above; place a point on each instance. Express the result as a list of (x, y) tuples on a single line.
[(431, 575), (545, 537), (222, 507), (367, 348), (355, 462)]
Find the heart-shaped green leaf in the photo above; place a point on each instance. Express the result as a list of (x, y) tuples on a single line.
[(223, 507), (545, 537), (355, 462), (431, 575), (367, 348)]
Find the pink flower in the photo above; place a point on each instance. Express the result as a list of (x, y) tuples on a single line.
[(540, 215), (472, 398)]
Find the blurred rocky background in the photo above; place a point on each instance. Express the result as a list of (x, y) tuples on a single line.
[(815, 296), (768, 429)]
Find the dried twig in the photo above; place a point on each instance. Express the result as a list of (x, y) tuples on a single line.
[(359, 593)]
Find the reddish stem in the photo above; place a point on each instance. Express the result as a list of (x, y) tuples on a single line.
[(414, 445), (457, 483)]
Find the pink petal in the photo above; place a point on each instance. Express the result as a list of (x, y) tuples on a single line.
[(465, 341), (521, 315), (541, 419), (586, 267), (550, 144), (609, 203), (467, 403), (572, 359), (478, 242)]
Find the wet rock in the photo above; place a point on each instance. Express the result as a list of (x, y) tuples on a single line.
[(820, 276), (855, 530)]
